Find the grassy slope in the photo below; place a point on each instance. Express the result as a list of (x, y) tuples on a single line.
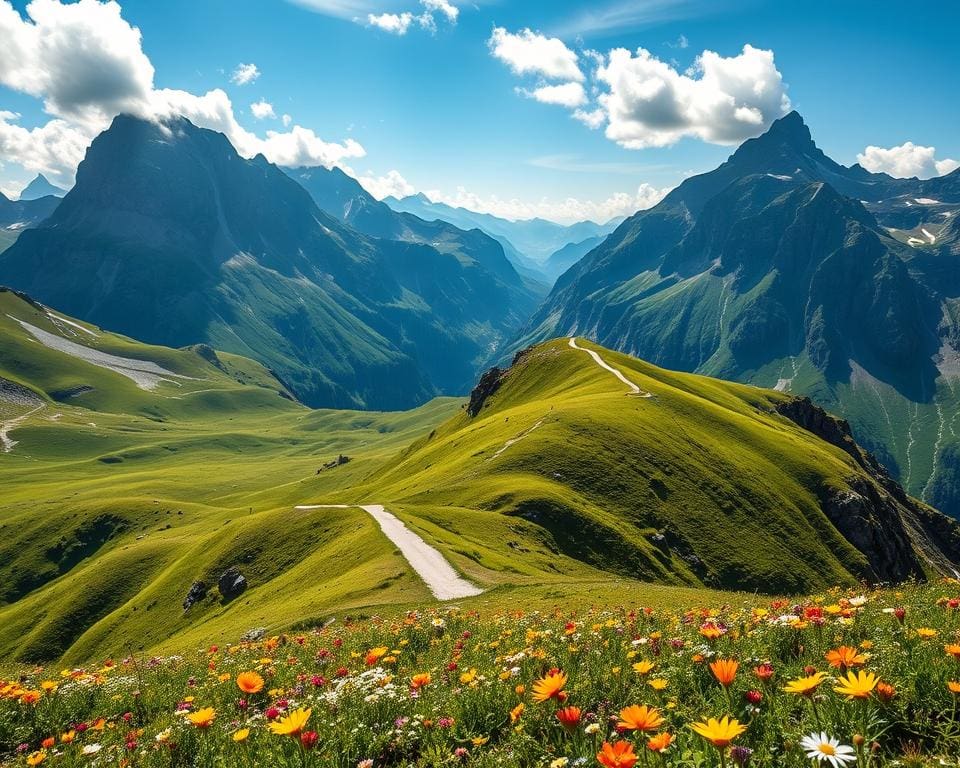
[(116, 500), (732, 486)]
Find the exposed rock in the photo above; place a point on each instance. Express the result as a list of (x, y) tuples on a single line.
[(208, 353), (196, 593), (333, 463), (254, 635), (490, 382), (232, 583), (895, 532)]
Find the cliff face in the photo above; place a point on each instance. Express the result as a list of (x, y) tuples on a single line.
[(901, 537)]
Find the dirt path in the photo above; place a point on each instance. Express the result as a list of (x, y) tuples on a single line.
[(430, 565), (634, 389), (6, 427)]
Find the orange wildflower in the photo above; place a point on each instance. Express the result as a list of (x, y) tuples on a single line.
[(619, 755), (640, 718), (550, 687), (846, 657), (250, 682), (725, 670)]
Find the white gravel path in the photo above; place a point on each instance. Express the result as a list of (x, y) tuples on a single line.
[(634, 389), (7, 443), (444, 582)]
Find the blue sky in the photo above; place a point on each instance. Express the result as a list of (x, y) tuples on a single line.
[(449, 117)]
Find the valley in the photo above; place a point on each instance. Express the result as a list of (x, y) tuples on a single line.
[(432, 384)]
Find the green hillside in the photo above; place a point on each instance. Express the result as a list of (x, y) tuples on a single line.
[(703, 483), (118, 497)]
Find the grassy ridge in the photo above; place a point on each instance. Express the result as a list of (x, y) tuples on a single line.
[(733, 489), (116, 499)]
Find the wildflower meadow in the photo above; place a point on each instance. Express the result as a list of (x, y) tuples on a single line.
[(842, 679)]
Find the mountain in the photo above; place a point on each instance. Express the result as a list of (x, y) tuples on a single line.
[(171, 237), (534, 239), (688, 480), (785, 269), (18, 215), (40, 187), (343, 197), (562, 259)]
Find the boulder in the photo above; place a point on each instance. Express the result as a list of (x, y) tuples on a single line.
[(232, 583), (196, 593)]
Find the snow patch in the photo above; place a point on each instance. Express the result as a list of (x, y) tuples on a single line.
[(144, 373)]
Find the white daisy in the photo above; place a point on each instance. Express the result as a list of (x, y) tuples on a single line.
[(826, 749)]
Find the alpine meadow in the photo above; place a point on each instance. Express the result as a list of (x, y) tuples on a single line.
[(422, 383)]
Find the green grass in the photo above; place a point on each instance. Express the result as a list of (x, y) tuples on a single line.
[(115, 501)]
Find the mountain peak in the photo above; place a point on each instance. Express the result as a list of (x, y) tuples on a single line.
[(790, 131), (41, 187)]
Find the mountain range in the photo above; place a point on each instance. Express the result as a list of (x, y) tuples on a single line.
[(18, 215), (784, 269), (171, 237), (529, 243)]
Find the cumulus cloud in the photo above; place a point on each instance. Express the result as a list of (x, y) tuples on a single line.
[(394, 23), (566, 211), (645, 102), (528, 52), (566, 94), (54, 149), (245, 74), (262, 110), (82, 59), (392, 184), (400, 23), (721, 100), (87, 65), (905, 161)]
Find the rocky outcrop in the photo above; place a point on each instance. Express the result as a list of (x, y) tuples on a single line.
[(196, 593), (231, 583), (900, 537), (490, 382)]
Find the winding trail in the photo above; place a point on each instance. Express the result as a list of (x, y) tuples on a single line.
[(6, 427), (634, 389), (443, 581)]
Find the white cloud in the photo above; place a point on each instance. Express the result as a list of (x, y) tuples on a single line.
[(380, 187), (400, 23), (565, 211), (906, 160), (286, 120), (293, 148), (593, 118), (442, 6), (262, 110), (54, 149), (566, 94), (87, 65), (646, 102), (394, 23), (529, 52), (721, 100), (82, 59), (245, 74)]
